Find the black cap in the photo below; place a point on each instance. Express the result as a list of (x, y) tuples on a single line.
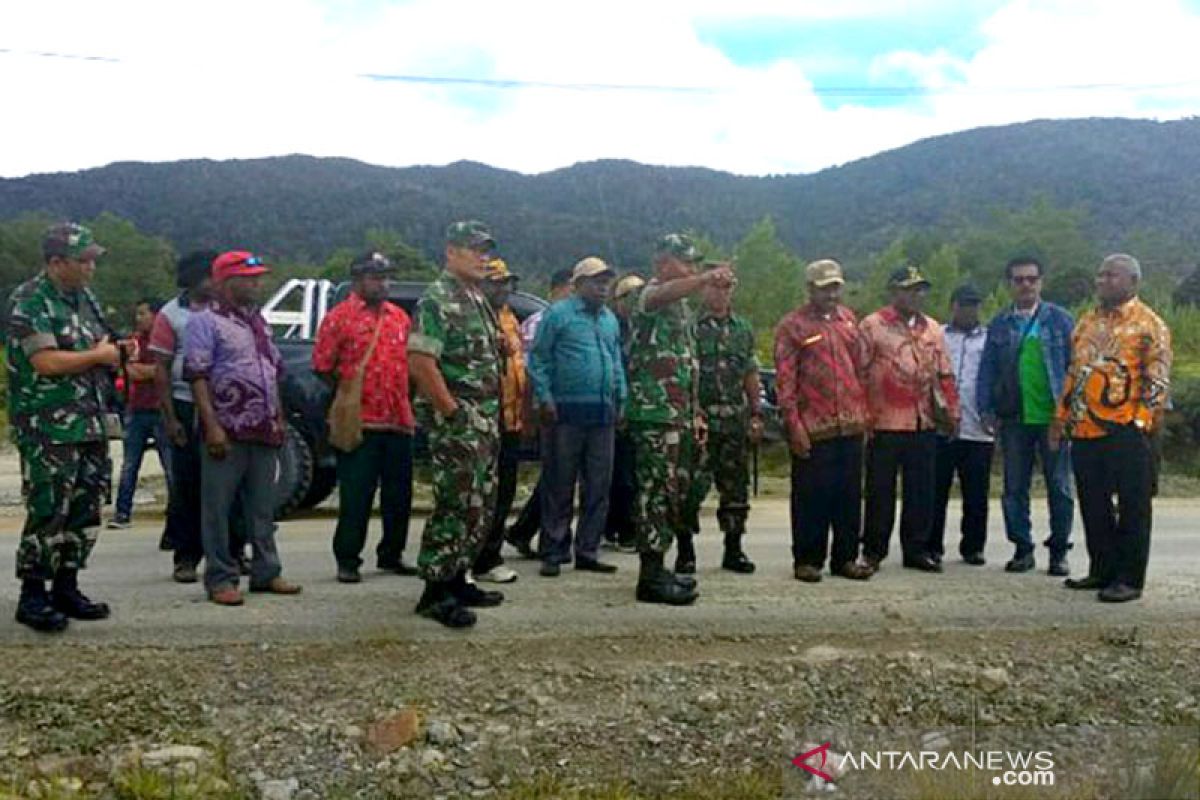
[(967, 295), (907, 276), (371, 262)]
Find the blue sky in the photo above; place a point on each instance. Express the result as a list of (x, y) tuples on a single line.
[(176, 71)]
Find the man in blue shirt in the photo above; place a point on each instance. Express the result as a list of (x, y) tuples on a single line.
[(1024, 364), (575, 365)]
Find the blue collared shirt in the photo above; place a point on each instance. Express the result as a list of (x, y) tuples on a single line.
[(575, 363)]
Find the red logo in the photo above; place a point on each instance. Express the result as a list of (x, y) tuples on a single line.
[(799, 761)]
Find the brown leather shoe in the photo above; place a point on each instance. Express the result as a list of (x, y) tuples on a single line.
[(871, 563), (854, 571), (807, 573), (226, 596), (277, 585)]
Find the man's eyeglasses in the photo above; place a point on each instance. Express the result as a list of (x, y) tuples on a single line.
[(1028, 280)]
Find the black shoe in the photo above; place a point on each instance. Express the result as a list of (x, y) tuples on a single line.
[(1119, 593), (522, 546), (935, 558), (1088, 584), (184, 572), (35, 610), (550, 569), (438, 604), (349, 575), (974, 559), (1059, 568), (471, 596), (807, 573), (397, 567), (736, 561), (165, 544), (591, 565), (924, 563), (70, 601), (657, 585), (1021, 563), (686, 581)]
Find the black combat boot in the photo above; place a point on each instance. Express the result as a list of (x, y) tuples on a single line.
[(72, 602), (35, 610), (470, 595), (685, 554), (658, 585), (439, 603), (735, 560)]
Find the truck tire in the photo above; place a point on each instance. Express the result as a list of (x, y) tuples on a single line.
[(323, 483), (295, 475)]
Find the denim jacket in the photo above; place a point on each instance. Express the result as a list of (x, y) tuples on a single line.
[(998, 380)]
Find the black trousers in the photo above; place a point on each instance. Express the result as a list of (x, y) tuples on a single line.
[(529, 521), (972, 463), (827, 493), (622, 492), (911, 456), (182, 529), (1118, 538), (383, 461), (506, 489)]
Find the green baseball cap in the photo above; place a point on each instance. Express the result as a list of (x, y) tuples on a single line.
[(906, 277), (678, 245), (469, 233), (70, 240)]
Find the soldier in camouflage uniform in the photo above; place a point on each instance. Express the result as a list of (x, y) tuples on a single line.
[(456, 359), (665, 422), (60, 359), (729, 400)]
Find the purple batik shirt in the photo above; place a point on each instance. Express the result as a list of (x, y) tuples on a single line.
[(232, 349)]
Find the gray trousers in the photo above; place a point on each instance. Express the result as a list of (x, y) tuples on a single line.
[(248, 471), (571, 454)]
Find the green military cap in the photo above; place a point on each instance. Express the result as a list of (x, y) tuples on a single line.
[(678, 245), (469, 233), (70, 240)]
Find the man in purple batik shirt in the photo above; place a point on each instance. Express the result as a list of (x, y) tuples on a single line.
[(234, 369)]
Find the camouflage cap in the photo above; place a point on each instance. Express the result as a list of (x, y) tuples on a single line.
[(678, 245), (70, 240), (371, 262), (825, 272), (469, 233), (907, 276)]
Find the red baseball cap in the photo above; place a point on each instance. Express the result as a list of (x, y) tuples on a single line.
[(237, 264)]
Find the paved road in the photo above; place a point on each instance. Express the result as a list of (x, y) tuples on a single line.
[(130, 573)]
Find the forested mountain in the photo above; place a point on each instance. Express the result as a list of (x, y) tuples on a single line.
[(1125, 176)]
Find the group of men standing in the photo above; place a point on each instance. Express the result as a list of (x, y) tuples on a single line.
[(927, 402), (665, 394)]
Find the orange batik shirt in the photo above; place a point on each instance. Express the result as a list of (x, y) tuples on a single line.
[(1120, 371), (514, 382)]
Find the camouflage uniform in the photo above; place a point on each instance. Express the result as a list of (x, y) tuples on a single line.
[(58, 426), (455, 326), (725, 354), (661, 412)]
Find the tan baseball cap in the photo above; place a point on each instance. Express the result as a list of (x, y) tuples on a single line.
[(825, 272), (589, 268), (628, 284)]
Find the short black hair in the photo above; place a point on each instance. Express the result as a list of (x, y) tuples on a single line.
[(153, 302), (561, 278), (1021, 261), (194, 267)]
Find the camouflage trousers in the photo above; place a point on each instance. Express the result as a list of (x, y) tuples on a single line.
[(664, 459), (725, 462), (67, 485), (464, 452)]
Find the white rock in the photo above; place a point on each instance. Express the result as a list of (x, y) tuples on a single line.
[(279, 789), (994, 679), (442, 733), (174, 755)]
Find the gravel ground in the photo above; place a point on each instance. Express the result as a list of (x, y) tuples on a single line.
[(570, 688)]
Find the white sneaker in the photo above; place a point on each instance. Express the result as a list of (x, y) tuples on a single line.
[(115, 524), (500, 574)]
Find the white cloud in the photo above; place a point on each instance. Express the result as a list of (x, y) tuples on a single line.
[(251, 78)]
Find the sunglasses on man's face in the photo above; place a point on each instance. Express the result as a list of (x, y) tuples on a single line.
[(254, 261)]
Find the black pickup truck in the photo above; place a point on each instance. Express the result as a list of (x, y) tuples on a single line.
[(307, 468)]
